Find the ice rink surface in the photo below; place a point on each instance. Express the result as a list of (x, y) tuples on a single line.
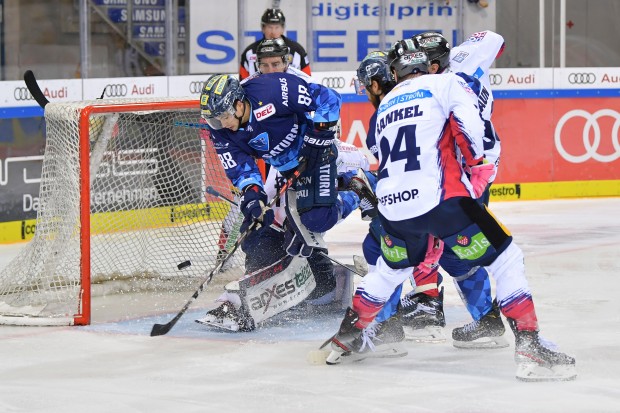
[(572, 251)]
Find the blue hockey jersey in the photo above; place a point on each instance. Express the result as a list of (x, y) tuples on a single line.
[(283, 107)]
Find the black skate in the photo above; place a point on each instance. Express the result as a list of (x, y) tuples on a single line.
[(423, 317), (539, 360), (378, 340), (368, 200), (484, 333), (227, 317)]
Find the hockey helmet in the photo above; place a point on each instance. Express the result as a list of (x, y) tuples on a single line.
[(436, 47), (272, 48), (273, 16), (374, 67), (218, 97), (405, 58)]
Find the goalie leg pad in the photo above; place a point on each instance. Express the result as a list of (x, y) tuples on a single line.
[(277, 288), (299, 240)]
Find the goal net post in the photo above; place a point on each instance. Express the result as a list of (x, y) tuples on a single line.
[(122, 203)]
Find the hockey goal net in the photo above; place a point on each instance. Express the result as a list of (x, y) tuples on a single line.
[(123, 202)]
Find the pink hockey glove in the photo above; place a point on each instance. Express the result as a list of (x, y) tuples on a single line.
[(479, 177), (433, 253)]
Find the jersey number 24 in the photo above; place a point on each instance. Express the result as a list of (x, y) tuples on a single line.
[(405, 148)]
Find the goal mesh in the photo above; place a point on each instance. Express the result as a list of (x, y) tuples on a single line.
[(143, 166)]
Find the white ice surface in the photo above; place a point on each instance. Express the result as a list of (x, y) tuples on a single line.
[(572, 250)]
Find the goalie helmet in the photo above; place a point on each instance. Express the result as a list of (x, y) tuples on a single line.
[(218, 97), (374, 67), (273, 16), (272, 48), (405, 58), (436, 47)]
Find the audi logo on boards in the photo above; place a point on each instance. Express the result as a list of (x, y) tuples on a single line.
[(495, 79), (196, 87), (22, 93), (333, 82), (590, 128), (581, 78), (117, 90)]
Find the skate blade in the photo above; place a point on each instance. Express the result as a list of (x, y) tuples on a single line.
[(429, 334), (533, 372), (482, 343), (340, 357), (218, 326)]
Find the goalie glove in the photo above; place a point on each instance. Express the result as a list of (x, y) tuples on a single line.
[(252, 205), (479, 177)]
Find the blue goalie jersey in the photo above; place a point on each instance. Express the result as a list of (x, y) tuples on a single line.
[(283, 107)]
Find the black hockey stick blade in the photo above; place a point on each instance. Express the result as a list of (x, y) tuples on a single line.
[(34, 89), (161, 329)]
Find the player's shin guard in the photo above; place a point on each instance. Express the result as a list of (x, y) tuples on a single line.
[(475, 291), (513, 293)]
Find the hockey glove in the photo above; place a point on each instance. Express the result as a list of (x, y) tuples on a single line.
[(295, 245), (318, 148), (479, 177), (252, 205)]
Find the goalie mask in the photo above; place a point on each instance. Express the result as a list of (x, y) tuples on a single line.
[(218, 98)]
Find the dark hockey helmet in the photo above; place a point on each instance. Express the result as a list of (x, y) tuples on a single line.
[(436, 47), (273, 16), (218, 97), (374, 67), (406, 58), (272, 48)]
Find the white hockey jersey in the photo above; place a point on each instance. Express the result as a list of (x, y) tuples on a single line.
[(419, 125), (474, 57)]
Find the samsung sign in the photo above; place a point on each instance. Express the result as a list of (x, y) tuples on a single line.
[(343, 32)]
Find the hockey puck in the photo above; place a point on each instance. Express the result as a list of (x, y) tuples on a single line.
[(184, 264)]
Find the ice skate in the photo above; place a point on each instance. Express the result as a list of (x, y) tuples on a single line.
[(378, 340), (488, 332), (368, 200), (422, 317), (227, 317), (539, 360)]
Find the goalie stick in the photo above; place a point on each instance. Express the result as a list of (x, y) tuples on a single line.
[(35, 89), (161, 329), (215, 193)]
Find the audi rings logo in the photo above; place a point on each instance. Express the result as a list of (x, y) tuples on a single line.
[(581, 78), (117, 90), (196, 87), (333, 82), (495, 79), (591, 136), (22, 93)]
